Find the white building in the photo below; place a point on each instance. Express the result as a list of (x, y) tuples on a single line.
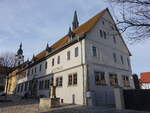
[(85, 65), (145, 80)]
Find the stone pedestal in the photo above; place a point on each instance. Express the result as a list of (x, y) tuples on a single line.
[(46, 103)]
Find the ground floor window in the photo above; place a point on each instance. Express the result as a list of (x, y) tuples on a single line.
[(99, 78), (26, 86), (47, 84), (72, 79), (41, 84), (59, 81), (126, 81), (113, 79)]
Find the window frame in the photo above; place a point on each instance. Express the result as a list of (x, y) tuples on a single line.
[(76, 52), (94, 51)]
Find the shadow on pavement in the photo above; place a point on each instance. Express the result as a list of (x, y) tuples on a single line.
[(16, 100)]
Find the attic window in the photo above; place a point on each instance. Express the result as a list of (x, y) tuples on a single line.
[(101, 33)]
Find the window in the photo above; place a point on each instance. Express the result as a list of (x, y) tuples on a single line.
[(21, 87), (113, 79), (72, 79), (121, 57), (126, 81), (35, 69), (114, 57), (46, 84), (68, 55), (128, 61), (75, 78), (32, 70), (58, 60), (76, 52), (103, 22), (26, 85), (53, 61), (40, 67), (18, 88), (114, 39), (41, 84), (101, 33), (99, 78), (69, 79), (28, 73), (104, 34), (51, 81), (94, 51), (45, 65), (59, 81)]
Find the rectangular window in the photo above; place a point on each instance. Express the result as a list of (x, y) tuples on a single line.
[(58, 60), (76, 52), (99, 78), (45, 65), (101, 33), (128, 61), (69, 79), (113, 79), (114, 57), (40, 67), (121, 57), (126, 81), (35, 69), (68, 55), (94, 51), (32, 70), (53, 61), (21, 87), (45, 84), (75, 78), (51, 81), (26, 85), (72, 79), (114, 39), (104, 35), (42, 84), (59, 81)]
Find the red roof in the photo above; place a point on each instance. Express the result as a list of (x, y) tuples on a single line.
[(145, 77)]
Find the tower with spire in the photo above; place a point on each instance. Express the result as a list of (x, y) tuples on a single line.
[(75, 22), (19, 58)]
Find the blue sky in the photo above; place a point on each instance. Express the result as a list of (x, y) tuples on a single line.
[(38, 22)]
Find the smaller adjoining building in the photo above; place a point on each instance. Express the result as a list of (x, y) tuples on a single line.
[(145, 80)]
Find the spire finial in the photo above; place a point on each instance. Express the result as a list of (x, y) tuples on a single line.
[(75, 22), (21, 45)]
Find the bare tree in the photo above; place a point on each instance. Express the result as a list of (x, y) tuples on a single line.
[(7, 59), (134, 19)]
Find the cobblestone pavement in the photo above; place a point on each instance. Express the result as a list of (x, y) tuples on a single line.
[(31, 106)]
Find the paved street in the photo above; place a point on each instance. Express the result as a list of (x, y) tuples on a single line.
[(31, 106)]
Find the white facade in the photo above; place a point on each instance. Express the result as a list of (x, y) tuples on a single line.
[(84, 65), (145, 85)]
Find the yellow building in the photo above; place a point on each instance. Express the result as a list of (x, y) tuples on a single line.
[(11, 82)]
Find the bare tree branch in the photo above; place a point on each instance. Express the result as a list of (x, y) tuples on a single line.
[(135, 18)]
